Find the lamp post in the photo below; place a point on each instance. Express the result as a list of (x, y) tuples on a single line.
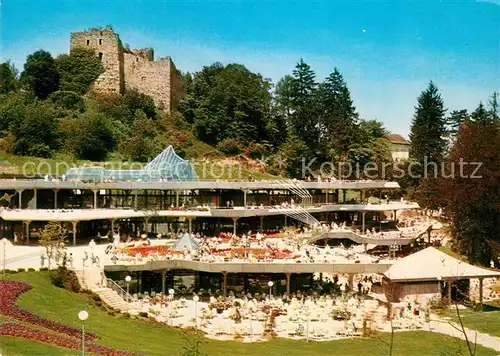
[(270, 284), (4, 244), (196, 299), (83, 315), (128, 279)]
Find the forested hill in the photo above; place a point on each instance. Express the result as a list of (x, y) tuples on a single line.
[(48, 109)]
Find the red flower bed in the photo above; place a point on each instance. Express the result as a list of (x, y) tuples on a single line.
[(54, 333), (9, 290), (73, 343), (148, 250)]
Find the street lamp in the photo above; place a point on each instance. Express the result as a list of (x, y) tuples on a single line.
[(270, 284), (128, 279), (4, 243), (196, 299), (83, 315)]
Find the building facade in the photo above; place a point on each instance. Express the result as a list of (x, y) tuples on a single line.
[(126, 68), (400, 148)]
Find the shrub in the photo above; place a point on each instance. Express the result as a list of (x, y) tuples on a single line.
[(255, 150), (43, 269), (111, 313), (229, 146), (126, 315), (21, 270), (143, 314), (67, 100), (96, 298), (64, 278), (31, 270)]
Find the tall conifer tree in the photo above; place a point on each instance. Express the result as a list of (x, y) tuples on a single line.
[(339, 119), (428, 127)]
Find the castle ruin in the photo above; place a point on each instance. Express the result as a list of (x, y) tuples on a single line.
[(126, 68)]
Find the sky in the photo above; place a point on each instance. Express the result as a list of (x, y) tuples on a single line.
[(388, 51)]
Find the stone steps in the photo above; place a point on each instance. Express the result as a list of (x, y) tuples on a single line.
[(91, 279)]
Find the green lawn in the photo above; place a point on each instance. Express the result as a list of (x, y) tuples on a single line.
[(149, 339), (487, 321)]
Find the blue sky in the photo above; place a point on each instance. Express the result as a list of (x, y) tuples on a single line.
[(388, 51)]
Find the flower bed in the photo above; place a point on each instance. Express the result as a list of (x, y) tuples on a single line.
[(54, 333), (149, 250), (9, 290), (73, 343)]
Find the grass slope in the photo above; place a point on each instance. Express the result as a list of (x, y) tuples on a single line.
[(149, 339)]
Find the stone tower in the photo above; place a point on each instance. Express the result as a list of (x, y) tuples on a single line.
[(131, 68)]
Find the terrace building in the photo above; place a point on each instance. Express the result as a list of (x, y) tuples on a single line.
[(167, 196)]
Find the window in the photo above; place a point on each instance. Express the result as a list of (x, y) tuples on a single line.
[(88, 42), (100, 41), (100, 56)]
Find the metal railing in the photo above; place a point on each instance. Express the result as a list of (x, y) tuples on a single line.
[(119, 290)]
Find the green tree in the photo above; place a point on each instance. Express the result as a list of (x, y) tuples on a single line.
[(228, 102), (52, 240), (281, 110), (141, 146), (291, 159), (471, 195), (40, 74), (37, 131), (428, 127), (304, 121), (78, 70), (373, 146), (8, 78), (133, 100), (339, 119), (494, 105), (93, 136)]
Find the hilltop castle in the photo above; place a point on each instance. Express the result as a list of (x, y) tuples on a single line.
[(126, 68)]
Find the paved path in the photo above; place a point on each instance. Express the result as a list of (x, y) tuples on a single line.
[(443, 326)]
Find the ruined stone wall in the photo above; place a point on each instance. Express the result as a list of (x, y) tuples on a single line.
[(106, 44), (177, 90), (131, 68), (149, 77)]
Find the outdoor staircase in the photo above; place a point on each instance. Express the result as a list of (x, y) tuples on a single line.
[(110, 293), (297, 212)]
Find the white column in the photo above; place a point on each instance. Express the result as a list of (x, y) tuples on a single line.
[(481, 293), (244, 198), (234, 225), (74, 232), (95, 199), (135, 200), (20, 192), (176, 198), (55, 198), (363, 215), (27, 231), (35, 198)]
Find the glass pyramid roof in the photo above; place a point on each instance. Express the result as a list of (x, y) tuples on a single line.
[(167, 166)]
